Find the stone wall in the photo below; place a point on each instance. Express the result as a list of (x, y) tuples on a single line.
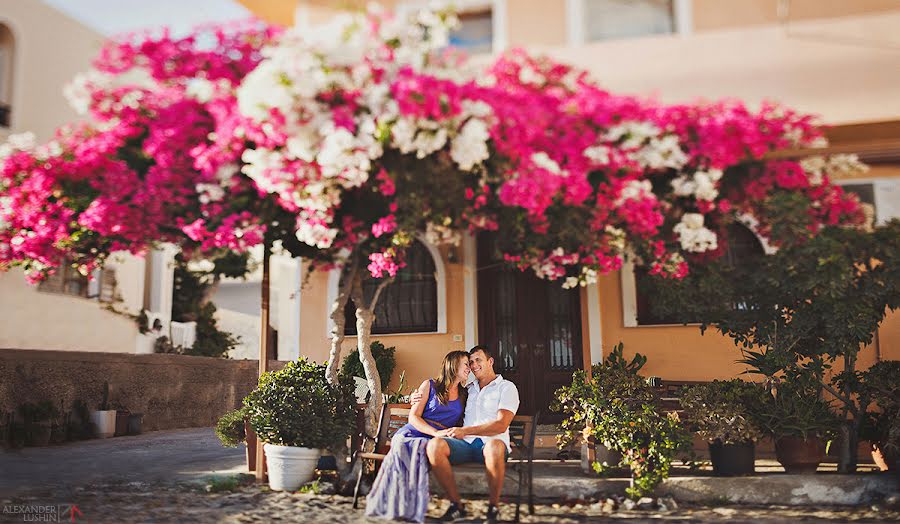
[(172, 391)]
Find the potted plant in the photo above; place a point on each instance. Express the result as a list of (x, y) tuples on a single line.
[(881, 426), (617, 408), (37, 420), (721, 412), (800, 421), (104, 419), (232, 430), (297, 413)]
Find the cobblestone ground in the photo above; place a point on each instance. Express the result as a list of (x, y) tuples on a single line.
[(239, 501)]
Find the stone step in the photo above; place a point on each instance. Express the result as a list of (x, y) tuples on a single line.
[(567, 482)]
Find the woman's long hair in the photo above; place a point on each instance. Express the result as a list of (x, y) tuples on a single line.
[(443, 382)]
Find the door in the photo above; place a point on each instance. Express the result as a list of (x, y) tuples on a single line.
[(534, 328)]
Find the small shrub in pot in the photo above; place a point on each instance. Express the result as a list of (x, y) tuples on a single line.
[(297, 413), (722, 413)]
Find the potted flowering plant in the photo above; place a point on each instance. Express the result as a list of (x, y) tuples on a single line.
[(616, 408), (722, 413), (297, 414)]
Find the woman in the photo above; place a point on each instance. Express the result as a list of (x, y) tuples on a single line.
[(400, 490)]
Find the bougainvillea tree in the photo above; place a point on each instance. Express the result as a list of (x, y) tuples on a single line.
[(347, 142)]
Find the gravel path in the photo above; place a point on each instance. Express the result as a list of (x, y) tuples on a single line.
[(186, 476)]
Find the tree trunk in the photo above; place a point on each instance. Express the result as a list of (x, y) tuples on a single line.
[(348, 274), (849, 427), (365, 317)]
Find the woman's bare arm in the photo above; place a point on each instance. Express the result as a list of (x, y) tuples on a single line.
[(415, 414)]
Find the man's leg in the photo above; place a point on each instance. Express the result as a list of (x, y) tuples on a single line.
[(439, 456), (495, 464)]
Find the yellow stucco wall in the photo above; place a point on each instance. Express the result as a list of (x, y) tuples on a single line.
[(419, 355)]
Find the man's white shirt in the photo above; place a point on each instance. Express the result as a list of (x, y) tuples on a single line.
[(483, 406)]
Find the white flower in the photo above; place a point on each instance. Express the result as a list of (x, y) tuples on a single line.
[(78, 91), (597, 154), (571, 282), (210, 193), (635, 190), (469, 148), (835, 166), (439, 234), (659, 153), (200, 89), (543, 160), (527, 75), (634, 132), (17, 142), (694, 237)]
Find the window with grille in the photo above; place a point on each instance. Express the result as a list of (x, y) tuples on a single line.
[(68, 281), (615, 19), (409, 304), (743, 246)]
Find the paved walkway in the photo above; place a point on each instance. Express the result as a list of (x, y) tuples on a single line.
[(165, 477), (172, 456)]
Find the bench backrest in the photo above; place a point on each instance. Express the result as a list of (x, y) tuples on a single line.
[(522, 430)]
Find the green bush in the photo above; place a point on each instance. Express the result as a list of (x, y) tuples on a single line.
[(230, 428), (385, 362), (795, 407), (879, 384), (295, 406), (724, 410), (618, 409)]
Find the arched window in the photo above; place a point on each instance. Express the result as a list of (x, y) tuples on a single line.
[(7, 57), (743, 247), (409, 304)]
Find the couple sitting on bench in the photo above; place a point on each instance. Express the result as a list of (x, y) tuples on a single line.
[(434, 439)]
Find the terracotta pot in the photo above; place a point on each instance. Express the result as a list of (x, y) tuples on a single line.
[(798, 455), (122, 422), (729, 460), (250, 441)]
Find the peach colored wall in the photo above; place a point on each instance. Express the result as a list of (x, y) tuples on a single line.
[(535, 22), (42, 66), (418, 355), (30, 319), (273, 11), (673, 352), (716, 14)]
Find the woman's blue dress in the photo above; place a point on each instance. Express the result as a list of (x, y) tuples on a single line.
[(400, 490)]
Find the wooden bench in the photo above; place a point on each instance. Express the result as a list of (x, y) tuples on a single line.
[(522, 431)]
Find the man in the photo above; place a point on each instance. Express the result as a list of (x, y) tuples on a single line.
[(483, 438)]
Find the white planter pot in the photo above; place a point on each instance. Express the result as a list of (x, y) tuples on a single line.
[(105, 422), (290, 467), (143, 344)]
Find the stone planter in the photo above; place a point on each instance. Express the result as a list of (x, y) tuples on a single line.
[(729, 460), (104, 422), (799, 455), (290, 467)]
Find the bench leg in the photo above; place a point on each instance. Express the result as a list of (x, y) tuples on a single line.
[(530, 489), (519, 492), (362, 467)]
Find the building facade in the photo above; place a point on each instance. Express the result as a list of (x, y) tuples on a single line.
[(834, 59)]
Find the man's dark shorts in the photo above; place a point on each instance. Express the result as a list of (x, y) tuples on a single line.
[(462, 452)]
